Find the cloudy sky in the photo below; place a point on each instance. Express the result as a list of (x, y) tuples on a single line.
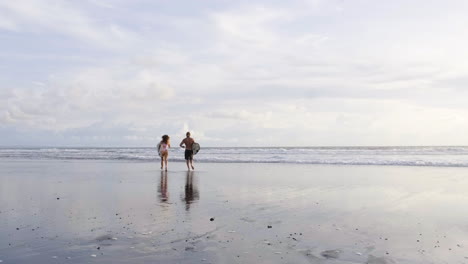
[(236, 73)]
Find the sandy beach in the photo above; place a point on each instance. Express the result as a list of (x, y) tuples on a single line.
[(131, 212)]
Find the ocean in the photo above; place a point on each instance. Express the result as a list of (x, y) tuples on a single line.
[(437, 156)]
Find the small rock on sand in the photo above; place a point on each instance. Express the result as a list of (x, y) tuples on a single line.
[(331, 253), (104, 237), (192, 249)]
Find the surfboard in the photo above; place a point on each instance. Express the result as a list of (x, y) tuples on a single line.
[(158, 147), (195, 148)]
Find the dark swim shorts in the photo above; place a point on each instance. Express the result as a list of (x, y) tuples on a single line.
[(188, 154)]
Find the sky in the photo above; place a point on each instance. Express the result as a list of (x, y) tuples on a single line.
[(234, 73)]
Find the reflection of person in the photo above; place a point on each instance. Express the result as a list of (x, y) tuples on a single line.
[(164, 146), (187, 144), (191, 191), (163, 195)]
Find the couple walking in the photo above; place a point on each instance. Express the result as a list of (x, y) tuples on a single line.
[(186, 143)]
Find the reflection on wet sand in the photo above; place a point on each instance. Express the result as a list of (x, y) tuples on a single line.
[(99, 212), (162, 188), (191, 190)]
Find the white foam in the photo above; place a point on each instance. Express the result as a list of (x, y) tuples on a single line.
[(452, 156)]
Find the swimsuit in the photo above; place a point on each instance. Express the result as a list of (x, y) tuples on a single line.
[(164, 150), (164, 147), (188, 154)]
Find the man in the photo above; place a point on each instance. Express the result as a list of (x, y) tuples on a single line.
[(187, 144)]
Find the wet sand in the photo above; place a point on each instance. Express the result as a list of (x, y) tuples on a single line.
[(122, 212)]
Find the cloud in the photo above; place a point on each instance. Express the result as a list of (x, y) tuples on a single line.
[(240, 115), (249, 26), (62, 17), (315, 72), (8, 24), (83, 98)]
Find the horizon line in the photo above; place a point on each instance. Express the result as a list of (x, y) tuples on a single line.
[(316, 146)]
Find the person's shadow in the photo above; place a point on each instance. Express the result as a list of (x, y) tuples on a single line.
[(191, 190), (162, 188)]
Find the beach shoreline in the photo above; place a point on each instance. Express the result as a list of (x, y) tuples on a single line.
[(132, 212)]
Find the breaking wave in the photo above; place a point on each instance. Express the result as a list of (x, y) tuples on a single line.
[(451, 156)]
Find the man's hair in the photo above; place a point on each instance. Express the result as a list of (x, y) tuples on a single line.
[(187, 134)]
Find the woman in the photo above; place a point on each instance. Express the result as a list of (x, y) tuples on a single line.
[(164, 146)]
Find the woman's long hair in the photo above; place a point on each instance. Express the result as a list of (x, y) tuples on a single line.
[(165, 139)]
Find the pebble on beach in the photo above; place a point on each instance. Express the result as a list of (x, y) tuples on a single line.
[(331, 254)]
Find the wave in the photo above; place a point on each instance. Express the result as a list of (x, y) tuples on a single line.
[(450, 156)]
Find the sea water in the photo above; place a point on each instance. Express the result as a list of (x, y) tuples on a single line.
[(440, 156)]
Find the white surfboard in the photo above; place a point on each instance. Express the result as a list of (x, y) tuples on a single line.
[(158, 147)]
